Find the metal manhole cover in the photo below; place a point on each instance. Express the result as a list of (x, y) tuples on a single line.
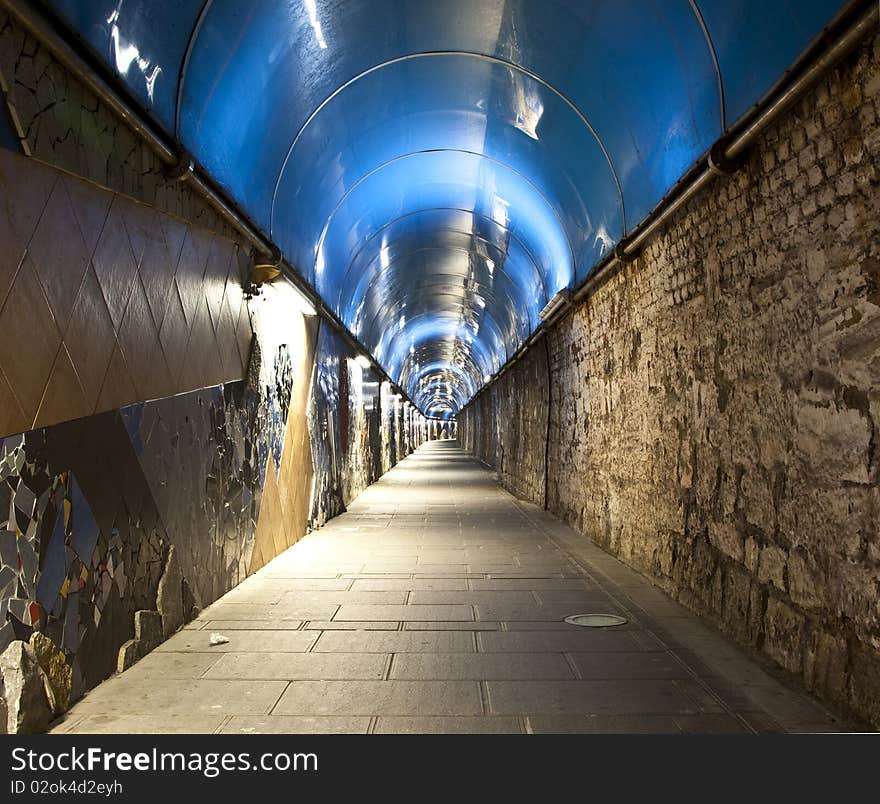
[(595, 620)]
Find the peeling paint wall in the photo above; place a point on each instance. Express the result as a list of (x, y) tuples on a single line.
[(714, 407)]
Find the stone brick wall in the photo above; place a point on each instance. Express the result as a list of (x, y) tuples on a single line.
[(510, 431), (715, 405)]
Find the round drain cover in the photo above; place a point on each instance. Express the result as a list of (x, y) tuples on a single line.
[(596, 620)]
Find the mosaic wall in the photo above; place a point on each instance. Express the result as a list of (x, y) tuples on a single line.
[(388, 410), (359, 428), (200, 457), (90, 508), (324, 424), (282, 367), (120, 302), (83, 545)]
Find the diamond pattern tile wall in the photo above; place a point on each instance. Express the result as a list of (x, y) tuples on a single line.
[(59, 253), (105, 301)]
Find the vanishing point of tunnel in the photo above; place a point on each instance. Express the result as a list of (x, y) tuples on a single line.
[(408, 366)]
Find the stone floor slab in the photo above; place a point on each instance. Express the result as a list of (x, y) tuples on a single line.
[(165, 664), (484, 666), (410, 698), (405, 613), (448, 725), (636, 665), (292, 724), (552, 612), (469, 598), (176, 697), (247, 625), (240, 641), (359, 597), (429, 642), (529, 584), (352, 625), (454, 626), (411, 584), (570, 641), (603, 724), (640, 697), (299, 666), (124, 723)]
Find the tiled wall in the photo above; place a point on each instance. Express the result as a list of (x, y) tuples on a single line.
[(104, 301)]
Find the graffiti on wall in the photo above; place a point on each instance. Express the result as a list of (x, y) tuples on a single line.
[(90, 508)]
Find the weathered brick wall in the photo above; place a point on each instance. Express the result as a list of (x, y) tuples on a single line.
[(716, 404), (477, 431)]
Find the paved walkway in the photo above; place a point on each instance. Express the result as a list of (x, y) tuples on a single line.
[(436, 604)]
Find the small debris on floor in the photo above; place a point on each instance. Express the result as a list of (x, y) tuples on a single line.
[(218, 639)]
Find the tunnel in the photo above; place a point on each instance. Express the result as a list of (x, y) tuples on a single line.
[(449, 366)]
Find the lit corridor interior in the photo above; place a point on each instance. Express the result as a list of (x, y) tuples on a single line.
[(436, 603), (350, 350)]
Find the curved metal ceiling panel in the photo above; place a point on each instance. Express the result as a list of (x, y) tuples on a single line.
[(453, 102), (144, 42), (432, 180), (756, 42), (438, 169), (638, 72)]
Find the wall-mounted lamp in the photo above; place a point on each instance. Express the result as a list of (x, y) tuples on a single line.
[(267, 268), (265, 272), (556, 303)]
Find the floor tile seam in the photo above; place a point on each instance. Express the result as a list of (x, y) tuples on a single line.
[(278, 699)]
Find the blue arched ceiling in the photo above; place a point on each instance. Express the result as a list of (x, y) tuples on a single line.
[(439, 169)]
